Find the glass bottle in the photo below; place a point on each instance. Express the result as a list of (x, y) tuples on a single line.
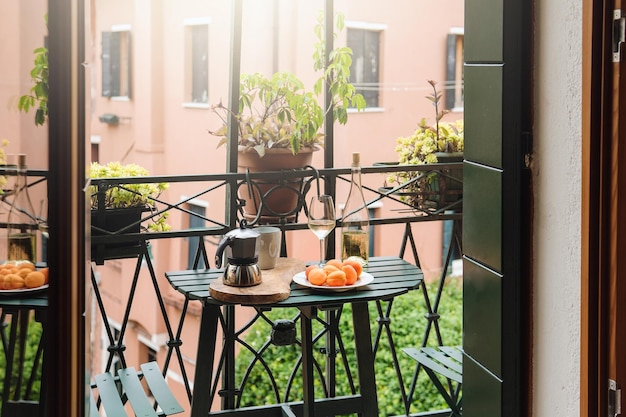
[(355, 235), (21, 222)]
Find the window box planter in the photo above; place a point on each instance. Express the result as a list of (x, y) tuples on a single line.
[(114, 223), (437, 190)]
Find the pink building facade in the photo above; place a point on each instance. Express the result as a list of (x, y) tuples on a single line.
[(150, 104)]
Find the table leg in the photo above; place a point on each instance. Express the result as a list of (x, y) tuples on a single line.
[(228, 393), (331, 352), (203, 378), (306, 330), (365, 358)]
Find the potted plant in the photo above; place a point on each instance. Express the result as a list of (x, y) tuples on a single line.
[(279, 123), (119, 209), (441, 142)]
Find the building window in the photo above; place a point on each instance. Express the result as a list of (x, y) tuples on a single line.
[(365, 70), (195, 222), (151, 355), (197, 61), (95, 148), (454, 71), (116, 62)]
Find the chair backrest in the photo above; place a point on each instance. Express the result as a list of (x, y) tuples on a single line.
[(115, 391)]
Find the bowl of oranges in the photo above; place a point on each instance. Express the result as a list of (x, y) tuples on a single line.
[(17, 277), (334, 275)]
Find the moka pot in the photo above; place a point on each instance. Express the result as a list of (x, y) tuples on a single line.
[(242, 254)]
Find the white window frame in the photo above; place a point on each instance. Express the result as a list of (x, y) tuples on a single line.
[(188, 24), (125, 60), (374, 27)]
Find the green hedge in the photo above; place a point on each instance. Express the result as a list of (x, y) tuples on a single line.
[(408, 326), (32, 343)]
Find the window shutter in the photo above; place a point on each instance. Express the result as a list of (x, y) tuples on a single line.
[(371, 55), (450, 70), (129, 60), (114, 49), (200, 64), (364, 74), (106, 64)]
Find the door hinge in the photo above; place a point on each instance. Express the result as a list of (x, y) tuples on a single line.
[(619, 34), (615, 399), (527, 148)]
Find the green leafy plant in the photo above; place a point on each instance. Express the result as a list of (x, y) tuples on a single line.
[(31, 344), (278, 112), (427, 140), (38, 95), (128, 195), (425, 146)]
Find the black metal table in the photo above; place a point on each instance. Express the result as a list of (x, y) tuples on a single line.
[(392, 277), (19, 306)]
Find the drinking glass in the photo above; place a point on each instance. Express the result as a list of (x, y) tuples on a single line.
[(321, 215)]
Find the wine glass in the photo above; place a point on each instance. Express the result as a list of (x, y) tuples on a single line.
[(321, 215)]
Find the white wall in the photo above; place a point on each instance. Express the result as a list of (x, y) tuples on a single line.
[(557, 184)]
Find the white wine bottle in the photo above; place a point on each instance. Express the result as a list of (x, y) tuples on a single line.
[(355, 235), (21, 222)]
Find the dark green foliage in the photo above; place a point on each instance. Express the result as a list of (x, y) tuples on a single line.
[(408, 327), (32, 343)]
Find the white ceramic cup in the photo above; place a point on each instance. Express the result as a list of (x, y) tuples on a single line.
[(269, 246)]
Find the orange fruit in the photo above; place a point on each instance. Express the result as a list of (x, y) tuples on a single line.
[(336, 279), (13, 282), (351, 275), (317, 276), (330, 268), (308, 269), (23, 272), (25, 264), (354, 264), (44, 271), (334, 262), (35, 279)]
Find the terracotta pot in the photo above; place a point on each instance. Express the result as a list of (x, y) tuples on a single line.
[(280, 199)]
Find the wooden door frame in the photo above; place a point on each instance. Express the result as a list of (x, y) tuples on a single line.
[(65, 349), (602, 229), (591, 109)]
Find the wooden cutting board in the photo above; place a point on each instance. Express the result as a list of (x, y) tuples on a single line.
[(275, 285)]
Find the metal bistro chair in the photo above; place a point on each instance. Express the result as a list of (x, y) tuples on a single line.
[(114, 392), (446, 361)]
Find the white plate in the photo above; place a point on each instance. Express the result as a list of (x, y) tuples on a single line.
[(364, 279), (24, 291)]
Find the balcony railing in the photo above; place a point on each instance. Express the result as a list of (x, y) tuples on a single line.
[(222, 189)]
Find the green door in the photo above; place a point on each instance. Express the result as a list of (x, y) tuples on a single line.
[(497, 103)]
